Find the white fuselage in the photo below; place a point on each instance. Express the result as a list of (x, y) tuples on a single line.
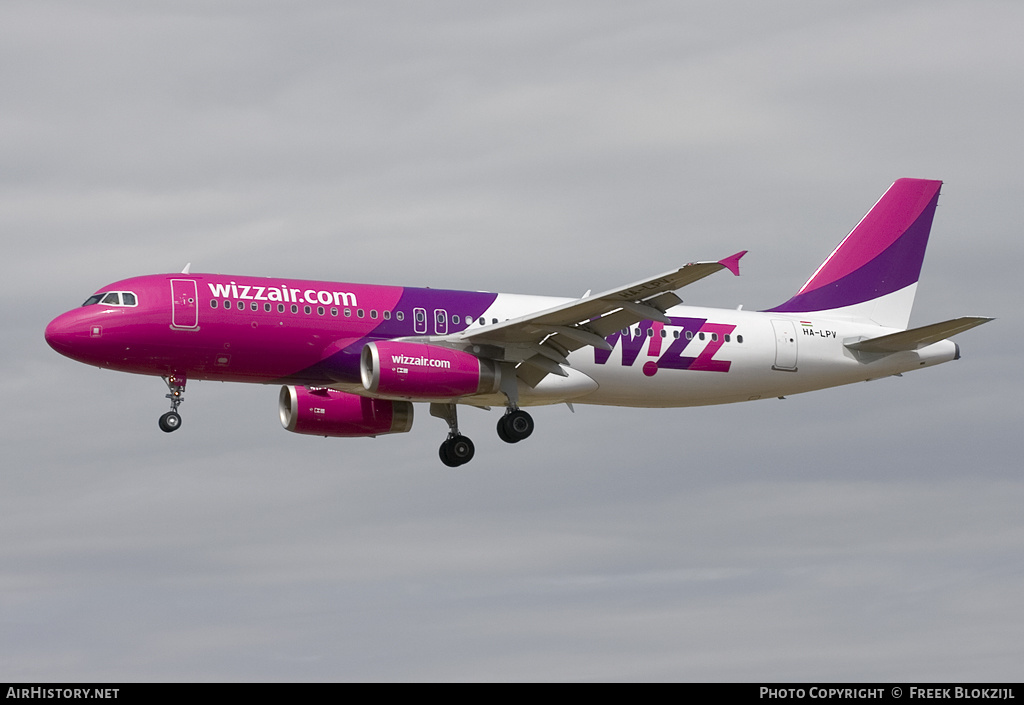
[(714, 356)]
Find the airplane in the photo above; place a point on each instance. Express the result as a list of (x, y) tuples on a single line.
[(352, 359)]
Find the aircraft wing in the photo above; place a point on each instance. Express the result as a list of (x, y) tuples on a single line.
[(541, 341)]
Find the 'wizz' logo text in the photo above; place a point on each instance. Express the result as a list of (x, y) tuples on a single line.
[(632, 344)]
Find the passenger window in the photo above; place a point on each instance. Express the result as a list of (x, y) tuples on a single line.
[(307, 310), (295, 308), (266, 307), (739, 338), (373, 313), (241, 305), (399, 315), (387, 315), (227, 304), (689, 335), (213, 303), (701, 336), (254, 306), (280, 308), (334, 311), (320, 310)]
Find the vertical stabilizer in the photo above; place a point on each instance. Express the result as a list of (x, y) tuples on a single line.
[(872, 275)]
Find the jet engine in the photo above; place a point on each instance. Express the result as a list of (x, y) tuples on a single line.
[(326, 412), (422, 371)]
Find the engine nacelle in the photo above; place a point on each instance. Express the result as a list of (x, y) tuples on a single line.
[(422, 371), (326, 412)]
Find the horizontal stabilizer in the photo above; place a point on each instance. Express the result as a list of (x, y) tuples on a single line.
[(917, 338)]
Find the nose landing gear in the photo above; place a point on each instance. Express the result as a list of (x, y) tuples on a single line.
[(171, 421)]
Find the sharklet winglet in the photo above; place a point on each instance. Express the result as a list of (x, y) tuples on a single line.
[(732, 262)]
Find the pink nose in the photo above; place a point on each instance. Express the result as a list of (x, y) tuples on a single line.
[(62, 332)]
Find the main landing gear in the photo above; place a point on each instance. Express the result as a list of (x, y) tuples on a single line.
[(171, 421), (457, 449), (515, 425)]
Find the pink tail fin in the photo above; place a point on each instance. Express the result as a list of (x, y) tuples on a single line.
[(873, 273)]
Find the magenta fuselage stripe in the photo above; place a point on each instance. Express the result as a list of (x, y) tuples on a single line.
[(232, 342)]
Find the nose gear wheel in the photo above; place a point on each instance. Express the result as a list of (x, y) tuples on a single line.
[(171, 421)]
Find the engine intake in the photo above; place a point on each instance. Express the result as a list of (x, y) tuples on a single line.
[(422, 371), (326, 412)]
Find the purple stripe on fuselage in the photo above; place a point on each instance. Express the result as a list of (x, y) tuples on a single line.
[(340, 362)]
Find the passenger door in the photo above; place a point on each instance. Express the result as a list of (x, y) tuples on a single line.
[(184, 308)]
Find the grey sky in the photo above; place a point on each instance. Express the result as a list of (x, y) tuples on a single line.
[(867, 532)]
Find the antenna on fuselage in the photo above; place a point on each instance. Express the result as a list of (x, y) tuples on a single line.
[(185, 270)]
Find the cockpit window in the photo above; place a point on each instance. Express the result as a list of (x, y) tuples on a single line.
[(112, 298)]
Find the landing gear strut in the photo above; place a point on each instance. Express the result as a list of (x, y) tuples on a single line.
[(171, 421), (457, 449)]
